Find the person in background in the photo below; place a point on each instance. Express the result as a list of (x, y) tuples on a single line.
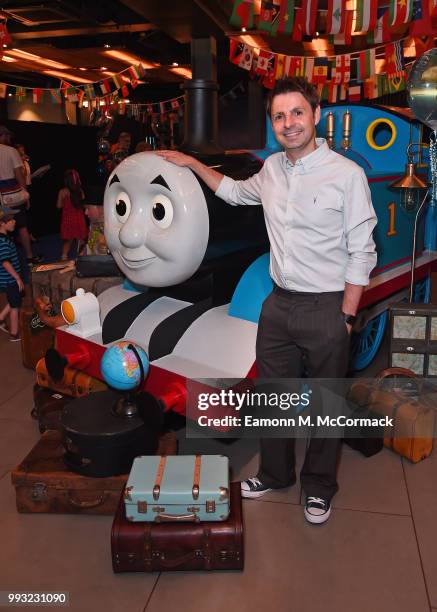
[(143, 146), (22, 151), (96, 243), (71, 200), (10, 279), (123, 143), (12, 176)]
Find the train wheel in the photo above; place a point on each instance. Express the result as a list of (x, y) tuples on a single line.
[(422, 290), (365, 345)]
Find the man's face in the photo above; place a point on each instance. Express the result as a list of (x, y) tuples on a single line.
[(294, 123)]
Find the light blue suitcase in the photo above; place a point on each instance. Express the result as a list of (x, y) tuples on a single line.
[(181, 488)]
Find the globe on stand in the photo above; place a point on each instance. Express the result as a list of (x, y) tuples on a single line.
[(124, 366)]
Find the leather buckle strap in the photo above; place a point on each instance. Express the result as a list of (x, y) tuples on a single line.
[(196, 478), (159, 476)]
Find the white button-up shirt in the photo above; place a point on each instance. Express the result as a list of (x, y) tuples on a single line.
[(319, 218)]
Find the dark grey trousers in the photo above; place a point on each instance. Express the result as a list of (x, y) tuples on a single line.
[(292, 327)]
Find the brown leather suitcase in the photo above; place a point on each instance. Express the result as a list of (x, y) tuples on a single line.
[(47, 407), (74, 383), (159, 547), (414, 419), (36, 337), (44, 484)]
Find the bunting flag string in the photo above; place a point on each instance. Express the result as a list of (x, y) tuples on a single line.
[(349, 76), (282, 16)]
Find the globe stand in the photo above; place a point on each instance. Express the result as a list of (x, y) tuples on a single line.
[(126, 406)]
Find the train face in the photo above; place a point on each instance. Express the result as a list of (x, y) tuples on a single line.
[(156, 220)]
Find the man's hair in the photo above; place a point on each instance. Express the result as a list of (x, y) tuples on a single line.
[(291, 85)]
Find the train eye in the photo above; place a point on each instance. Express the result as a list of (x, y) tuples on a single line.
[(162, 211), (122, 207)]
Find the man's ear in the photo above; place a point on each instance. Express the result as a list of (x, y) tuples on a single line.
[(317, 115)]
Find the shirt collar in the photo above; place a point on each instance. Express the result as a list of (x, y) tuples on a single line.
[(312, 159)]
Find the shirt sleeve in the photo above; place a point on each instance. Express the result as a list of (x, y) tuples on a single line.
[(359, 222), (17, 162), (246, 192), (5, 251)]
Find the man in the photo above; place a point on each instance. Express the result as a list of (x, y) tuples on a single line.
[(319, 218), (13, 176)]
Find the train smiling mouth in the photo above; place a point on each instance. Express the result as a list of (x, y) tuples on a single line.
[(136, 263)]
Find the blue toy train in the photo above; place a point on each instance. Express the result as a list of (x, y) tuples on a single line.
[(159, 222)]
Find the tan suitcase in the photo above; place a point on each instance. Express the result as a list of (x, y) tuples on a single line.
[(412, 434), (44, 484)]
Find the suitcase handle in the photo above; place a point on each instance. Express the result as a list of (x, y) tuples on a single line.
[(400, 373), (396, 372), (179, 518), (87, 504)]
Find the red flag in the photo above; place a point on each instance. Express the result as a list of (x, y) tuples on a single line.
[(309, 15), (297, 27), (264, 60)]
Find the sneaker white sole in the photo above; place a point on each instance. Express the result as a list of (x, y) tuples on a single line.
[(254, 494), (317, 519)]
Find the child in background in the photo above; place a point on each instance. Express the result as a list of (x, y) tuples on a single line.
[(96, 243), (10, 279), (73, 223)]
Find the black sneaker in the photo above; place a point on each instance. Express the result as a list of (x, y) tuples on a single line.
[(317, 510), (253, 488)]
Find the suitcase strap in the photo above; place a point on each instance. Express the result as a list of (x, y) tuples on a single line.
[(160, 475), (196, 479), (158, 478)]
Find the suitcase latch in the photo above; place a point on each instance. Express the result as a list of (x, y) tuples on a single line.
[(39, 491), (224, 493), (193, 509), (142, 507), (127, 495), (210, 506), (158, 509)]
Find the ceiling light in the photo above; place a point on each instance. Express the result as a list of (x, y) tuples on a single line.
[(183, 72), (107, 46), (243, 30), (6, 58), (31, 57), (175, 64), (5, 46), (103, 68), (9, 94), (122, 76), (83, 68), (127, 58), (67, 76)]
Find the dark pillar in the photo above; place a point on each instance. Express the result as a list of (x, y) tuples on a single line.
[(201, 103)]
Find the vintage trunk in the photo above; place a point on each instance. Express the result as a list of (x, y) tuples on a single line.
[(414, 419), (158, 547), (43, 483), (36, 337), (47, 407), (190, 487)]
